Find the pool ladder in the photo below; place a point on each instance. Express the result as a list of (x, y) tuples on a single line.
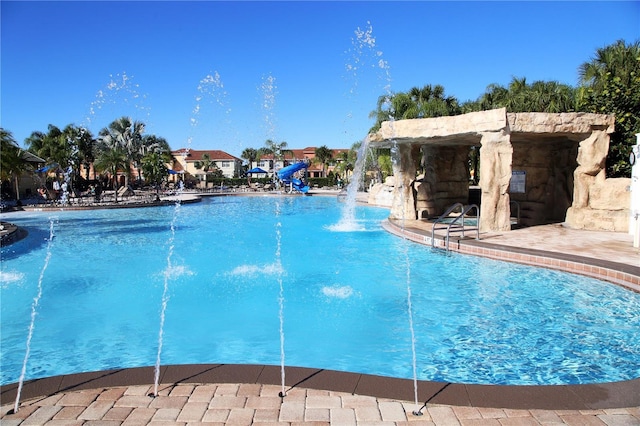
[(457, 224)]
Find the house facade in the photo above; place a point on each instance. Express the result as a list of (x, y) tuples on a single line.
[(292, 156), (185, 161)]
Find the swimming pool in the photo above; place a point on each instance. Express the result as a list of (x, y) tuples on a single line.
[(345, 298)]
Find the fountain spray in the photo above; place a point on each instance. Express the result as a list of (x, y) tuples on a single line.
[(268, 90), (34, 312)]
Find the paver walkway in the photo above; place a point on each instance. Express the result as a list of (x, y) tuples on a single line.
[(255, 404)]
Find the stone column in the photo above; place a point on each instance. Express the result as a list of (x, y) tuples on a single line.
[(496, 154), (592, 155), (426, 190), (403, 205)]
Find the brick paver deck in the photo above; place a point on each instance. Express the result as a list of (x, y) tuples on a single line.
[(250, 404)]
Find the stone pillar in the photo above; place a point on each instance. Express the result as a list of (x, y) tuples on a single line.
[(592, 155), (496, 154), (426, 190), (403, 205)]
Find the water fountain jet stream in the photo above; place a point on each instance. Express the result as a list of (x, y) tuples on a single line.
[(268, 90), (165, 291), (280, 299), (120, 93), (364, 45), (366, 41), (209, 86), (211, 102), (34, 312), (366, 38), (395, 156), (348, 221)]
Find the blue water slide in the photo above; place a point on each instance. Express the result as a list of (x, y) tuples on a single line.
[(298, 185), (286, 172)]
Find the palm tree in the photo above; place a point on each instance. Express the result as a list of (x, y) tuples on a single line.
[(249, 154), (277, 150), (12, 163), (150, 144), (494, 97), (68, 148), (425, 102), (112, 160), (617, 60), (206, 164), (126, 135), (551, 97), (520, 96), (86, 151), (346, 163), (154, 166), (53, 146), (611, 85), (323, 156)]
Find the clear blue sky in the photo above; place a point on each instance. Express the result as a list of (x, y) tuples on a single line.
[(289, 71)]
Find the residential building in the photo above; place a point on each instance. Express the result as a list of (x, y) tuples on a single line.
[(185, 163), (292, 156)]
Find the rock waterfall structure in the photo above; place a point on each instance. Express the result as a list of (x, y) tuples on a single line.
[(547, 167)]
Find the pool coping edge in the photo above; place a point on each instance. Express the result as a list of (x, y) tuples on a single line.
[(544, 397)]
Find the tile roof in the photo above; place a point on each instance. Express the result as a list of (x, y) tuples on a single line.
[(196, 155), (308, 152)]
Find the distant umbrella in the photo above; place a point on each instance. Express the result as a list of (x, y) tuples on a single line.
[(47, 168), (256, 170)]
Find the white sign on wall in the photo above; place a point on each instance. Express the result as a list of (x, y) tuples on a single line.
[(518, 180)]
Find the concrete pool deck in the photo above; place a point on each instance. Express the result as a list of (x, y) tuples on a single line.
[(248, 394)]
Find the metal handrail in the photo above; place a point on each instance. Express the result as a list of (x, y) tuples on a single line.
[(455, 225)]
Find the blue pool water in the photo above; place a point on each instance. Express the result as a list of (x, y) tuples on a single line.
[(345, 298)]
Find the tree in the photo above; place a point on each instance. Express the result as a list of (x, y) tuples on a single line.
[(125, 135), (323, 156), (86, 145), (384, 164), (610, 84), (428, 101), (207, 165), (12, 163), (111, 160), (154, 167), (277, 150), (152, 144), (52, 146), (249, 154), (494, 97), (346, 162), (519, 96), (69, 149)]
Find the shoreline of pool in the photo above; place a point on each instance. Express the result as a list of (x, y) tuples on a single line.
[(540, 397), (619, 273)]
